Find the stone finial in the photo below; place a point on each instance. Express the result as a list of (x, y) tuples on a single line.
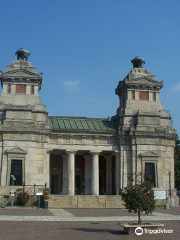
[(22, 54), (137, 62)]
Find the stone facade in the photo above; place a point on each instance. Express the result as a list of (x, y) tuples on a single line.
[(83, 156)]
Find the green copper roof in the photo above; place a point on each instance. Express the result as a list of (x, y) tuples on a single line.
[(81, 124)]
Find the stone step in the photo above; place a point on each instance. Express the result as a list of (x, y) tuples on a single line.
[(85, 201)]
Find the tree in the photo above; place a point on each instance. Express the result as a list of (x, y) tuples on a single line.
[(139, 197), (177, 164)]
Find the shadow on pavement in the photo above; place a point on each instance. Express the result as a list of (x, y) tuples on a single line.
[(117, 232)]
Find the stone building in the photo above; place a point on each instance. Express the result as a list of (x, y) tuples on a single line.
[(79, 156)]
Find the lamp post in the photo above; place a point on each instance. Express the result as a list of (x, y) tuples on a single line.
[(170, 193)]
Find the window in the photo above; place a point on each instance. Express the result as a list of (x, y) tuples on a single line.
[(133, 95), (123, 100), (21, 88), (16, 171), (9, 89), (143, 95), (150, 173), (154, 96), (32, 90)]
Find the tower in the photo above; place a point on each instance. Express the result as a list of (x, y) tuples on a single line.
[(24, 123), (146, 135)]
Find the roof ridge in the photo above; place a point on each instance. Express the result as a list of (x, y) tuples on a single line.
[(77, 117)]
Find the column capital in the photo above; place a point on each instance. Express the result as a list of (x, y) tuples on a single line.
[(64, 155), (95, 152), (86, 157), (108, 156), (71, 152), (116, 153)]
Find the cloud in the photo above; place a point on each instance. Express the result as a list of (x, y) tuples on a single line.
[(176, 88), (71, 84)]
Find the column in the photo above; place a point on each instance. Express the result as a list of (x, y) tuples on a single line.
[(5, 87), (108, 174), (95, 173), (4, 173), (35, 90), (136, 95), (121, 176), (71, 173), (13, 88), (117, 173), (47, 169), (28, 89), (150, 96), (87, 174), (65, 160)]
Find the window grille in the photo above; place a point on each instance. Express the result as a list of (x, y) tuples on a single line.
[(16, 170)]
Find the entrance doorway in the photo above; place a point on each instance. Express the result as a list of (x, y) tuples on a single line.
[(56, 174), (78, 185), (79, 175), (55, 179)]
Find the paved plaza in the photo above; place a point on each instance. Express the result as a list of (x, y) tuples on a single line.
[(65, 224)]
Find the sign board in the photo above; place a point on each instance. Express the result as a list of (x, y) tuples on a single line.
[(159, 194), (39, 194)]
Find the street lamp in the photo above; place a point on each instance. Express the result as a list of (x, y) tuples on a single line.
[(170, 193)]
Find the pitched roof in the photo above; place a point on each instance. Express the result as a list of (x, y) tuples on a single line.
[(82, 124)]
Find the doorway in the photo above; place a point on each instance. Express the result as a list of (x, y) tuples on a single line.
[(56, 174), (55, 179)]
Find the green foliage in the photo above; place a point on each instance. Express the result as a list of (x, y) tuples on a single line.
[(139, 197), (177, 164)]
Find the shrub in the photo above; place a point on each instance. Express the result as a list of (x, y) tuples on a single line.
[(139, 197), (23, 198), (6, 196)]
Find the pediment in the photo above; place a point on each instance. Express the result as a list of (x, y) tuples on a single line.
[(149, 154), (16, 151), (21, 73), (143, 81)]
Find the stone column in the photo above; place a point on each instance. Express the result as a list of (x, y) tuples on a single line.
[(87, 174), (117, 173), (136, 95), (13, 88), (108, 174), (4, 173), (150, 96), (95, 173), (47, 173), (157, 97), (71, 173), (35, 90), (28, 89), (5, 87), (65, 160)]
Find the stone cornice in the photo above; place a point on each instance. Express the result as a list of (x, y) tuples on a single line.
[(16, 151)]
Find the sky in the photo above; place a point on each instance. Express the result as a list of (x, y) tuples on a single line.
[(84, 47)]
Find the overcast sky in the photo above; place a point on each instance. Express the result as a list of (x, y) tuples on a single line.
[(84, 47)]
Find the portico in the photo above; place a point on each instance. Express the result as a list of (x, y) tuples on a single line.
[(83, 172)]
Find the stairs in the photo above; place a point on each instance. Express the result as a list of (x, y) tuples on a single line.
[(85, 201)]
